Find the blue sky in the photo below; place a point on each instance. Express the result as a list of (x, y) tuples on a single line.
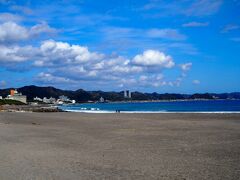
[(182, 46)]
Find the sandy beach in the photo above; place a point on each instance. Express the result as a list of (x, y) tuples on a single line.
[(119, 146)]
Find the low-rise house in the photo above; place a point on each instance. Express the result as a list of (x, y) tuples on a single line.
[(64, 99), (101, 100), (37, 99), (51, 100)]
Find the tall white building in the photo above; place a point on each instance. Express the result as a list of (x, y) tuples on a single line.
[(127, 94)]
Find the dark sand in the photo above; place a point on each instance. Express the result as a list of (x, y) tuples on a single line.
[(119, 146)]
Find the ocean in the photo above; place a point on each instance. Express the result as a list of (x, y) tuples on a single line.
[(210, 106)]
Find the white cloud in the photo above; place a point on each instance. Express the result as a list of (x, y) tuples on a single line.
[(49, 78), (153, 58), (171, 34), (12, 32), (3, 84), (127, 39), (157, 80), (5, 17), (62, 62), (23, 9), (230, 27), (197, 8), (117, 71), (195, 24), (143, 78), (203, 7), (53, 52), (196, 82), (126, 69), (129, 33), (185, 67), (14, 54), (41, 28)]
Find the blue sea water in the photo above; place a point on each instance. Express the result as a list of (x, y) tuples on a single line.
[(152, 107)]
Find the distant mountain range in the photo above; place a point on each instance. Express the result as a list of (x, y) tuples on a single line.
[(81, 95)]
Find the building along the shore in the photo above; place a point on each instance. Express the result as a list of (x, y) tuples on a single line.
[(61, 100), (15, 95), (38, 99), (101, 100), (65, 99), (51, 100)]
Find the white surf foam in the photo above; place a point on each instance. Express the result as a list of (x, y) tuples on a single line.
[(194, 112), (89, 111)]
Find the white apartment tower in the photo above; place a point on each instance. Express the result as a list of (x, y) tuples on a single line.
[(127, 94)]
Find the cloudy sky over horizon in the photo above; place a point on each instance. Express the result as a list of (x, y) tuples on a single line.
[(181, 46)]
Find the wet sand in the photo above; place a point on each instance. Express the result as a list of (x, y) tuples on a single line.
[(119, 146)]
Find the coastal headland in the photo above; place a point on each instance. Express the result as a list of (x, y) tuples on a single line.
[(68, 145)]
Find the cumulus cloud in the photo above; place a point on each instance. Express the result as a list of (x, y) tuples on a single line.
[(14, 54), (171, 34), (185, 67), (153, 58), (61, 62), (12, 32), (195, 24), (52, 52), (103, 69)]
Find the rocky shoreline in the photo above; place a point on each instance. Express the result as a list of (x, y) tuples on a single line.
[(30, 108)]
